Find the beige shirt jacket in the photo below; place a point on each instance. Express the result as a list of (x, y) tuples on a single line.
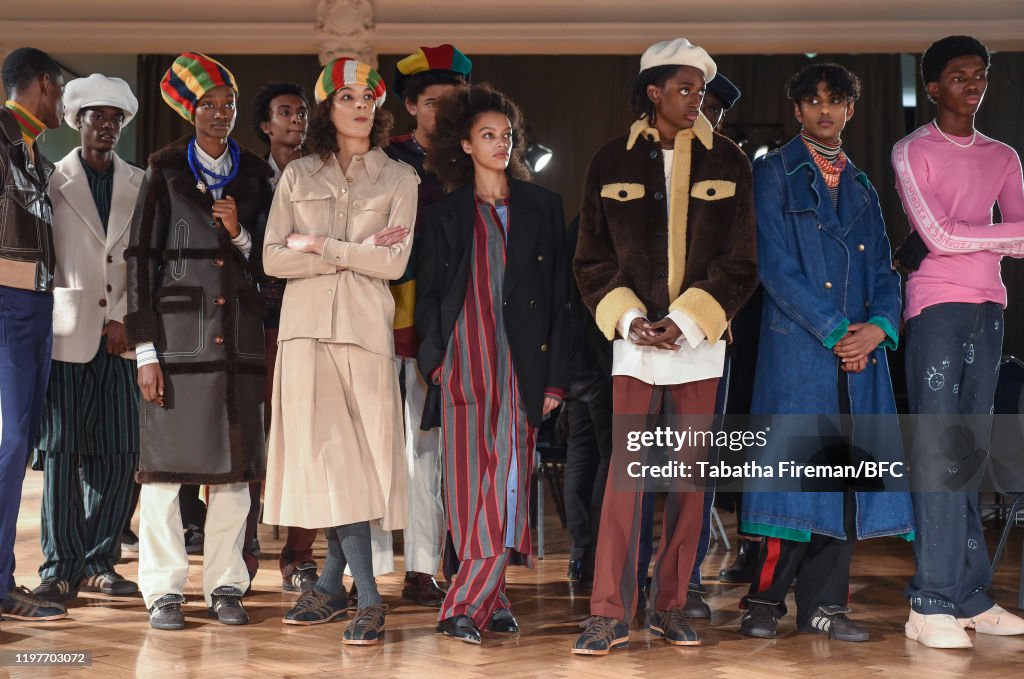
[(342, 296), (91, 273)]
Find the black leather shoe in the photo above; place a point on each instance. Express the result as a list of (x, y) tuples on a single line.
[(575, 572), (421, 588), (695, 606), (832, 620), (110, 583), (460, 627), (54, 590), (166, 613), (503, 621), (227, 606), (744, 567), (759, 621), (301, 578)]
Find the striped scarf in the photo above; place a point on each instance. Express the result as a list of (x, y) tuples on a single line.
[(31, 127), (829, 158)]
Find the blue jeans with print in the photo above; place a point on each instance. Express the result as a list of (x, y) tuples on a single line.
[(952, 363)]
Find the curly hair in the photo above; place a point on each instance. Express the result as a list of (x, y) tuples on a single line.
[(838, 79), (322, 138), (640, 103), (941, 52), (417, 83), (457, 111), (261, 104)]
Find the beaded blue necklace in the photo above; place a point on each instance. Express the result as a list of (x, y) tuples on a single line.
[(218, 180)]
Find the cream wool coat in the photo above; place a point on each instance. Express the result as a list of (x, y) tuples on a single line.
[(336, 446), (91, 274)]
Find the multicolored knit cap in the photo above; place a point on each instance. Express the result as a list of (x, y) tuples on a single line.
[(190, 77), (346, 72), (441, 58)]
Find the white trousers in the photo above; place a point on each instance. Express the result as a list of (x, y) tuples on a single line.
[(424, 532), (163, 563)]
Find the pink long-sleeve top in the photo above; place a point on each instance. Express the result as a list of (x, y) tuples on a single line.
[(948, 193)]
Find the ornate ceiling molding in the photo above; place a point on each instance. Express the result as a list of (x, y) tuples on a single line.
[(345, 28), (349, 27)]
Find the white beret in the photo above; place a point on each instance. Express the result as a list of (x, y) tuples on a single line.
[(98, 90), (679, 52)]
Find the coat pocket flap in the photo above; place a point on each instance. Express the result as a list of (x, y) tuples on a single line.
[(622, 191), (178, 298), (713, 189)]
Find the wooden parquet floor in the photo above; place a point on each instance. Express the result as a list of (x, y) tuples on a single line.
[(115, 630)]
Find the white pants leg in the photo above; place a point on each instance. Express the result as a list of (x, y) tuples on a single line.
[(163, 563), (424, 533), (224, 534)]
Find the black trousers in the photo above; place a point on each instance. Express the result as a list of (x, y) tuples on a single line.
[(821, 568), (587, 457)]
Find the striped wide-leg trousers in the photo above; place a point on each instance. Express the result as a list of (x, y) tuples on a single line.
[(88, 452), (86, 502), (478, 589)]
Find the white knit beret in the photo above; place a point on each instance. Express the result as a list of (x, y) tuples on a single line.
[(679, 52), (98, 90)]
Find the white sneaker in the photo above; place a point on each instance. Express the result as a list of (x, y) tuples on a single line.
[(995, 620), (937, 631)]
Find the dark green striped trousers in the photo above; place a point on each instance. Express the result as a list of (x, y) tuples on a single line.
[(88, 451)]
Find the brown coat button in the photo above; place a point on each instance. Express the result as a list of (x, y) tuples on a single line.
[(218, 262), (218, 340), (828, 285), (103, 302), (543, 347), (110, 288), (219, 301), (110, 259)]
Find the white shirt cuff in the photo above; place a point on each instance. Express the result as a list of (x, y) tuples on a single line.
[(691, 331), (243, 241), (627, 320), (145, 354)]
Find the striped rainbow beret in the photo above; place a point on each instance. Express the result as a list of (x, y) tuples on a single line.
[(346, 72), (190, 77)]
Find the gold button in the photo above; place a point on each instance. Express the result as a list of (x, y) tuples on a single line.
[(874, 361), (218, 340), (543, 347), (341, 214), (218, 262), (540, 258), (349, 179), (828, 285), (860, 247), (219, 301)]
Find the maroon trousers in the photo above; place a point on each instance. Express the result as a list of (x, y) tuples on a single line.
[(299, 545), (615, 566)]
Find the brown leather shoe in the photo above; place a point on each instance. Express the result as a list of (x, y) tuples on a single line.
[(421, 588)]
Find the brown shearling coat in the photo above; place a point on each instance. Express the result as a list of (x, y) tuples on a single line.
[(698, 257)]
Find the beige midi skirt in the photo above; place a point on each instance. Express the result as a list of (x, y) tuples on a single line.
[(336, 450)]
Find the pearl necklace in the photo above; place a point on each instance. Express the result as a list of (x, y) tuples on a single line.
[(974, 136)]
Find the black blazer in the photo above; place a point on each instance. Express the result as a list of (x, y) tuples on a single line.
[(535, 291)]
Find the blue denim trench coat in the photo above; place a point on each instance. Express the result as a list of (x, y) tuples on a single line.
[(822, 267)]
